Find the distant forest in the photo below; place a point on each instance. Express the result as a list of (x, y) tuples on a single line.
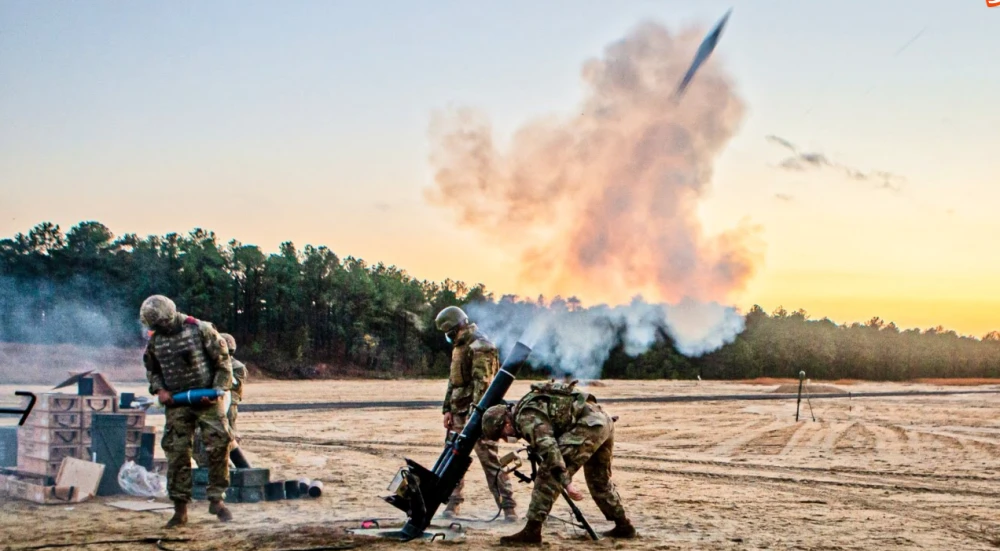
[(310, 313)]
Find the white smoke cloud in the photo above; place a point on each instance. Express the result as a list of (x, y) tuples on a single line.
[(577, 342), (48, 329)]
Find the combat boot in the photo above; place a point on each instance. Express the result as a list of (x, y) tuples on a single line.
[(510, 515), (530, 534), (451, 511), (623, 530), (218, 508), (180, 517)]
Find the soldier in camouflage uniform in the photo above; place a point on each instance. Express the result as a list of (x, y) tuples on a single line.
[(474, 363), (185, 353), (566, 429), (239, 380)]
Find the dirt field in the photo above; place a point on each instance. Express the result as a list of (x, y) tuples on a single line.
[(870, 473)]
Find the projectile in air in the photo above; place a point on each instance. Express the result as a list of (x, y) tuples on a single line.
[(704, 51)]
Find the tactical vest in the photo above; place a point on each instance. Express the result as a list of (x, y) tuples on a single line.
[(182, 358), (563, 404), (461, 371)]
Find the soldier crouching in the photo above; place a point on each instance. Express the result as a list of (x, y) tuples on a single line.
[(567, 430), (185, 353)]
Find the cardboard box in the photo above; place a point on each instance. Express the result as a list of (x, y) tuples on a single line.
[(75, 481), (96, 384)]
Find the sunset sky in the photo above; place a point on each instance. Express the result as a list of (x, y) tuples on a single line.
[(308, 121)]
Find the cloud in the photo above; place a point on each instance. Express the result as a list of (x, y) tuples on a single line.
[(805, 160), (783, 197)]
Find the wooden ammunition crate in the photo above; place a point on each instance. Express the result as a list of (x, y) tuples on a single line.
[(44, 419), (43, 450), (136, 420), (97, 404), (57, 402), (56, 410), (131, 452), (53, 436), (42, 467)]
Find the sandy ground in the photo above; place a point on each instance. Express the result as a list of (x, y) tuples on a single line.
[(869, 473)]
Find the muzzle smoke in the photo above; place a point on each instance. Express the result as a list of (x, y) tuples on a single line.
[(579, 342), (603, 204)]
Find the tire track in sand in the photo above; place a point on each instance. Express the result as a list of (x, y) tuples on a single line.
[(730, 445), (772, 442)]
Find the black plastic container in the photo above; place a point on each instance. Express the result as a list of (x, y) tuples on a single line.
[(292, 489), (274, 491), (126, 400)]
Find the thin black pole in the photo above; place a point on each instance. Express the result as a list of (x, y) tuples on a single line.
[(802, 376)]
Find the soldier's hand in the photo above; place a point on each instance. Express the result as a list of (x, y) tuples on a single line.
[(574, 494), (205, 400), (447, 421), (164, 397)]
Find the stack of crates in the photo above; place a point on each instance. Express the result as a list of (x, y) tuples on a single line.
[(245, 485), (59, 426), (51, 432)]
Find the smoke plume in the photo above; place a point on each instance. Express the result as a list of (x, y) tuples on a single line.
[(49, 329), (603, 204), (578, 342)]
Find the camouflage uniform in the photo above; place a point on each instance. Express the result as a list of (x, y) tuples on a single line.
[(184, 354), (567, 430), (236, 395), (240, 375), (474, 363)]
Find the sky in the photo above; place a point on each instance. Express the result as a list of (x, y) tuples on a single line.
[(309, 122)]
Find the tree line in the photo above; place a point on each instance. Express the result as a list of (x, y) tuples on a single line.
[(310, 313)]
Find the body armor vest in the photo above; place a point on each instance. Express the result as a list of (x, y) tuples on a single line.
[(460, 371), (182, 358), (563, 404)]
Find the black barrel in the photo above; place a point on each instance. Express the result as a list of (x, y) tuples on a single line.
[(292, 489), (274, 491)]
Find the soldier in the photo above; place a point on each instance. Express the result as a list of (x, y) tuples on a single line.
[(239, 380), (474, 363), (185, 353), (566, 429)]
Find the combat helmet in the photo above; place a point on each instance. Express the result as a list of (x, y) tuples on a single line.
[(450, 318), (493, 421), (230, 342), (157, 311)]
